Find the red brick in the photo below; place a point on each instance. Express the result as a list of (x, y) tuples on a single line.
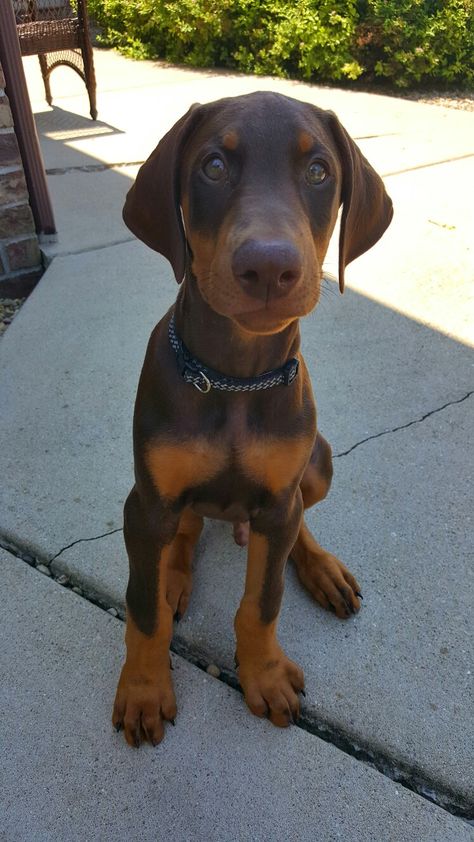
[(24, 254), (9, 152), (13, 188), (16, 221)]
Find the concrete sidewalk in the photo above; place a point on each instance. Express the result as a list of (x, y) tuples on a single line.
[(391, 364)]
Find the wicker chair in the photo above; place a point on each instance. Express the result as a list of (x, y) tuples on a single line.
[(58, 34)]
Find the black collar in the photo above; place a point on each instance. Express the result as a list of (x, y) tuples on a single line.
[(205, 378)]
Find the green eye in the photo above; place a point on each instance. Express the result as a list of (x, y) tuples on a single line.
[(316, 173), (214, 168)]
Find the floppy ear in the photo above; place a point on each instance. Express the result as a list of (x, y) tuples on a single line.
[(152, 207), (366, 208)]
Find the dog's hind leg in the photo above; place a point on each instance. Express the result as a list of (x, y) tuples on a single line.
[(180, 557), (326, 578)]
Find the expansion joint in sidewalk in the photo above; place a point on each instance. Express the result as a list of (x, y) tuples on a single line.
[(25, 553), (42, 564), (87, 249), (390, 767), (403, 426), (429, 164), (92, 168)]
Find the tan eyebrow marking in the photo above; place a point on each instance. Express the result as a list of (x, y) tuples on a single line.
[(305, 142), (230, 140)]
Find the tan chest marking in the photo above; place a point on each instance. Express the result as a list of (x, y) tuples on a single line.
[(175, 467), (275, 463)]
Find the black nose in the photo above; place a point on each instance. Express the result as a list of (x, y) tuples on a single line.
[(267, 268)]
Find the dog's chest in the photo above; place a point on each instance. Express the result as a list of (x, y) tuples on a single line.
[(235, 455), (226, 477)]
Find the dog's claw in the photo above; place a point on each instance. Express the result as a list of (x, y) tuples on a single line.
[(178, 617), (359, 595), (173, 722)]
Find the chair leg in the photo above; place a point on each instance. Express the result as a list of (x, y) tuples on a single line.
[(45, 75), (87, 56), (90, 79)]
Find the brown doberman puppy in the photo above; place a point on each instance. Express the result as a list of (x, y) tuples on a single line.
[(241, 196)]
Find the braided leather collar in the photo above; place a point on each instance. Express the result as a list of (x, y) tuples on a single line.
[(205, 378)]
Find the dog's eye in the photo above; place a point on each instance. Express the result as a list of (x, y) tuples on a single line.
[(214, 168), (316, 173)]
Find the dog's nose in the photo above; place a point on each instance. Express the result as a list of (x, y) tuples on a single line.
[(267, 268)]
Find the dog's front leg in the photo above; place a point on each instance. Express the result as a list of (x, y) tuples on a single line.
[(270, 681), (145, 695)]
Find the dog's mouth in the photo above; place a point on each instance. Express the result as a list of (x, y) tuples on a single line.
[(274, 314), (269, 312), (262, 321)]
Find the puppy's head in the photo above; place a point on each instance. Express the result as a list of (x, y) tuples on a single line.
[(245, 192)]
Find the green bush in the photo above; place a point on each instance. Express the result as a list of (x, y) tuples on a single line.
[(417, 41), (404, 42), (306, 38)]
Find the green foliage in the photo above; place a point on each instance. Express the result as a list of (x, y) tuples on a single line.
[(413, 41), (306, 38), (402, 41)]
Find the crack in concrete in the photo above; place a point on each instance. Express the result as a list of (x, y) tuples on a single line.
[(409, 777), (83, 540), (403, 426)]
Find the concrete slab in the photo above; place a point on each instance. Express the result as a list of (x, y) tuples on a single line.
[(398, 509), (163, 93), (219, 774), (397, 680), (86, 305), (139, 101), (389, 354), (70, 364), (93, 219), (424, 265), (430, 277)]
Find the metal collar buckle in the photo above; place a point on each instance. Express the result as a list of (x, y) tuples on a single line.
[(207, 384)]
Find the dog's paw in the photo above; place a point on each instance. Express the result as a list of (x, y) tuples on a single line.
[(141, 707), (330, 583), (271, 689)]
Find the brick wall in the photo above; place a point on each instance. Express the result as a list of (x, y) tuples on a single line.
[(20, 257)]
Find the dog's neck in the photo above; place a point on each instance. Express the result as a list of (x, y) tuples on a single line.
[(221, 344)]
